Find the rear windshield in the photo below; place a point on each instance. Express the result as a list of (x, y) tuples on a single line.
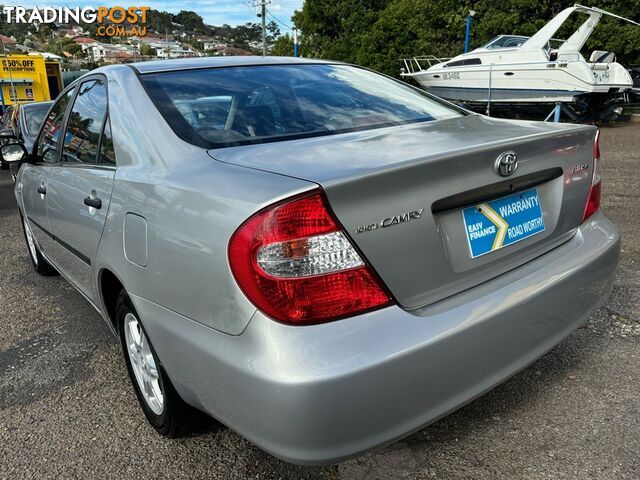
[(33, 117), (221, 107)]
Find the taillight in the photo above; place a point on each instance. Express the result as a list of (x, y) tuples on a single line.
[(296, 264), (595, 189)]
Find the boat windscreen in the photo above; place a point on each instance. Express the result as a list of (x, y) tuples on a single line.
[(506, 41)]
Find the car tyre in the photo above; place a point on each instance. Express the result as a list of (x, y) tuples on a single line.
[(4, 166), (40, 264), (160, 402)]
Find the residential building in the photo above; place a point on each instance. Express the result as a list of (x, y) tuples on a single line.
[(171, 49)]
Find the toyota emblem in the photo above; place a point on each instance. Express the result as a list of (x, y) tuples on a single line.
[(506, 163)]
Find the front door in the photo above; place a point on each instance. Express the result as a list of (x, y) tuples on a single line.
[(32, 183), (79, 187)]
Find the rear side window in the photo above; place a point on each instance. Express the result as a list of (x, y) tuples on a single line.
[(82, 135), (220, 107), (50, 134), (107, 155)]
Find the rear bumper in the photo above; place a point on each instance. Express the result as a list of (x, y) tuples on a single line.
[(319, 394)]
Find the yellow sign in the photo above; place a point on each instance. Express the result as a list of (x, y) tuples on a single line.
[(16, 65), (25, 78)]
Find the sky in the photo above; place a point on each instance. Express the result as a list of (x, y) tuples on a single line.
[(215, 12)]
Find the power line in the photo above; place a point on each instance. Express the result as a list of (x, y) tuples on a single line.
[(251, 6), (288, 27)]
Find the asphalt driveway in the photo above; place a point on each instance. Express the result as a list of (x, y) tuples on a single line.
[(67, 409)]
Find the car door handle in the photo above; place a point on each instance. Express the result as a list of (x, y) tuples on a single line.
[(93, 202), (42, 190)]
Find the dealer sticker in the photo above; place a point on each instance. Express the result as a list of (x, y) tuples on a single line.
[(492, 225)]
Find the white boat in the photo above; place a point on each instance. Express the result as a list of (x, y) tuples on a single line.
[(513, 69)]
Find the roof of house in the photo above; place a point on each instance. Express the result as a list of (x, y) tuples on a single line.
[(84, 40), (7, 40)]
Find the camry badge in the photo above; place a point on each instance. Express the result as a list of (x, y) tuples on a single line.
[(391, 221)]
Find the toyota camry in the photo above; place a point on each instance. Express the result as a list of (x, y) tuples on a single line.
[(320, 257)]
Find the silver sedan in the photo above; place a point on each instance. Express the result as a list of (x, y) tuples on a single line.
[(320, 257)]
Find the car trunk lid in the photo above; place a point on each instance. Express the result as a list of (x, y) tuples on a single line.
[(400, 193)]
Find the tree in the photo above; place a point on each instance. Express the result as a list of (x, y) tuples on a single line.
[(147, 50), (246, 33), (334, 28), (44, 32), (159, 21), (283, 46), (190, 20), (412, 27), (273, 30), (62, 45)]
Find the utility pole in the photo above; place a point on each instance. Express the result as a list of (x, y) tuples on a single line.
[(295, 42), (14, 92), (263, 5), (263, 16)]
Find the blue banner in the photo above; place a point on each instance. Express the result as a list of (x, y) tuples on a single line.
[(492, 225)]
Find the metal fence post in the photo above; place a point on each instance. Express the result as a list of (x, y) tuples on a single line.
[(489, 93)]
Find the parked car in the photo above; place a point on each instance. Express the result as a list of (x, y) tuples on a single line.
[(26, 121), (320, 257), (5, 128)]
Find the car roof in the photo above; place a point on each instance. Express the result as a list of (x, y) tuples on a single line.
[(213, 62)]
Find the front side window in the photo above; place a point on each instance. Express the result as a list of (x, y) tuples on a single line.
[(82, 135), (47, 143), (228, 106)]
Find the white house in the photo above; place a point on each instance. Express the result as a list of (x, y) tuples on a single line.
[(171, 49)]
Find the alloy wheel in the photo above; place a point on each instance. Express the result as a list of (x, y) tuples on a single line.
[(143, 364), (30, 241)]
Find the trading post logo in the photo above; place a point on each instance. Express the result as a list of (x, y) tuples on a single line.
[(112, 21)]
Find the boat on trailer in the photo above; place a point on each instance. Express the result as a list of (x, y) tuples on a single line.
[(513, 70)]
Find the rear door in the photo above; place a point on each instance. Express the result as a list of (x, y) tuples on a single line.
[(79, 187)]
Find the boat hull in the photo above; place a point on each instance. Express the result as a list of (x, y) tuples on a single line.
[(530, 82)]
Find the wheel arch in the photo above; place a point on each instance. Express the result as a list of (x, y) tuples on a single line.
[(109, 286)]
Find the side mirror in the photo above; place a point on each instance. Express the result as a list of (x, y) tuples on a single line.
[(13, 152), (7, 134)]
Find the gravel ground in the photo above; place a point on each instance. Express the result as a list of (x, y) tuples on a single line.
[(67, 408)]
